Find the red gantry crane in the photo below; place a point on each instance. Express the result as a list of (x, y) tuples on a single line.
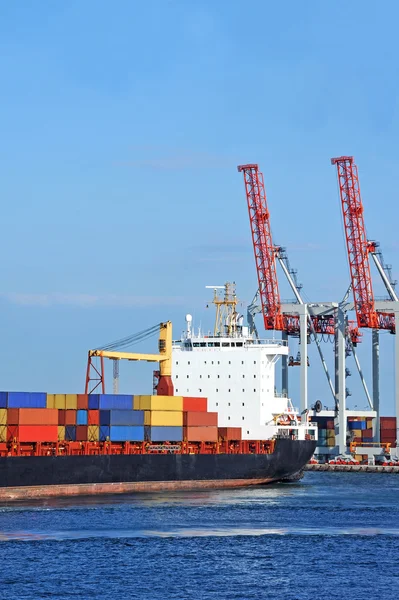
[(359, 248)]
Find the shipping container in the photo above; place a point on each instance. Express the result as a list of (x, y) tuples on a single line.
[(61, 416), (3, 433), (329, 424), (81, 417), (163, 418), (229, 433), (32, 416), (33, 433), (60, 401), (388, 423), (70, 433), (127, 433), (94, 401), (356, 425), (81, 433), (163, 434), (123, 417), (200, 434), (83, 402), (3, 399), (93, 433), (330, 441), (195, 404), (26, 400), (104, 433), (61, 433), (115, 401), (330, 433), (105, 417), (3, 416), (163, 403), (200, 419), (357, 432), (93, 417), (71, 401)]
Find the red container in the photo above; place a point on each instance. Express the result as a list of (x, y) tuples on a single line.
[(330, 424), (93, 417), (229, 433), (200, 434), (388, 423), (32, 416), (81, 433), (200, 419), (83, 402), (61, 416), (195, 404), (33, 433), (70, 417)]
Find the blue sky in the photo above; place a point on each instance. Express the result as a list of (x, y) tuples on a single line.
[(121, 128)]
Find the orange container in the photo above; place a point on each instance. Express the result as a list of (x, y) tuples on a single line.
[(81, 433), (200, 434), (200, 419), (32, 416), (93, 417), (195, 404), (83, 402), (70, 417), (33, 433), (229, 433)]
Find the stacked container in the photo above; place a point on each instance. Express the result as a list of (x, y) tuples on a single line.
[(163, 417), (388, 430)]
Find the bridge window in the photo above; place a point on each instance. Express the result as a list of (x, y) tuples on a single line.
[(239, 344), (225, 344), (217, 344)]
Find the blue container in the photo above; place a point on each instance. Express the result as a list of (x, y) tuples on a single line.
[(104, 432), (3, 399), (115, 401), (127, 433), (70, 433), (357, 425), (163, 434), (27, 400), (362, 425), (105, 417), (94, 401), (126, 417), (81, 417)]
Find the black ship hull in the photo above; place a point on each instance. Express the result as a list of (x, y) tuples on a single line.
[(46, 476)]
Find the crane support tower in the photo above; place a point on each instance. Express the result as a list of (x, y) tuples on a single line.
[(371, 314), (95, 375)]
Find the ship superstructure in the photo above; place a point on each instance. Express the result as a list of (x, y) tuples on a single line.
[(236, 372)]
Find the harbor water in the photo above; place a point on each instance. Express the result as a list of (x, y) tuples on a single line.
[(332, 535)]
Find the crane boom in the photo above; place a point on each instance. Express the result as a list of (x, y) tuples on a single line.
[(264, 249), (358, 248)]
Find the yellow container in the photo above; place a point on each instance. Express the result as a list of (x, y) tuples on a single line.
[(71, 401), (357, 432), (161, 403), (3, 416), (50, 402), (93, 433), (359, 457), (330, 442), (163, 418), (60, 401), (3, 433), (61, 433), (330, 433)]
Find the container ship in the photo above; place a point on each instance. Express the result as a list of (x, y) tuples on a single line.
[(216, 420)]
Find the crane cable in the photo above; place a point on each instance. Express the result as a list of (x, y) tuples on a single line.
[(131, 340)]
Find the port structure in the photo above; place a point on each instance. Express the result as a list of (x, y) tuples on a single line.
[(297, 319), (370, 313), (95, 374)]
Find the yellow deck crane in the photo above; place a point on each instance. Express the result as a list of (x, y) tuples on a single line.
[(95, 376)]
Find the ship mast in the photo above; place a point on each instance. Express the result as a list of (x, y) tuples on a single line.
[(226, 314)]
